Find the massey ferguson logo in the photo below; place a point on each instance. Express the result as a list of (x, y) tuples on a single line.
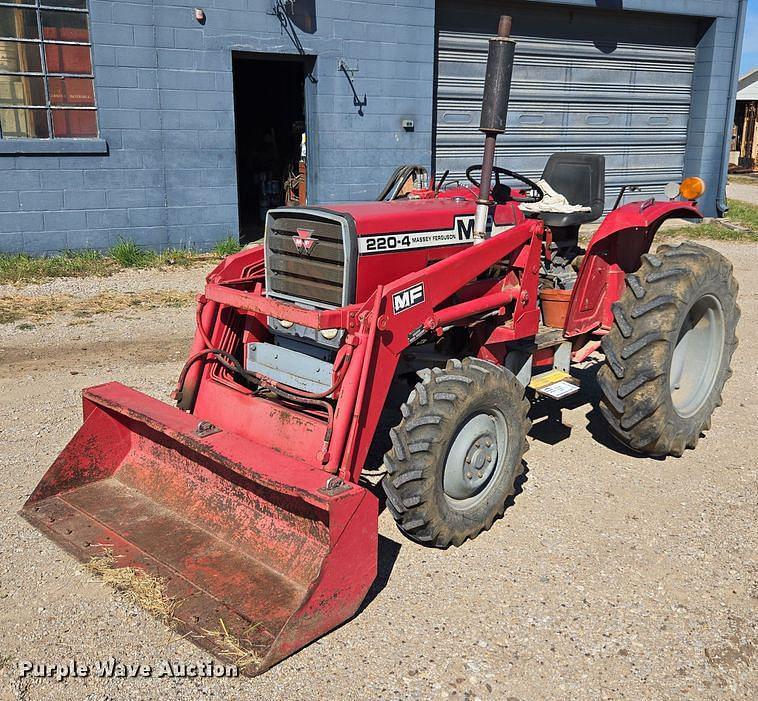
[(405, 299), (304, 241)]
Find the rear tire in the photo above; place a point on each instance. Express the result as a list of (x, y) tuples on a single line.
[(668, 354), (457, 452)]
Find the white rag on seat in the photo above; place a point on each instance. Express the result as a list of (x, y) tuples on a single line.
[(553, 202)]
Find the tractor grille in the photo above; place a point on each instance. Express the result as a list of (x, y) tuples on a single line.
[(314, 271)]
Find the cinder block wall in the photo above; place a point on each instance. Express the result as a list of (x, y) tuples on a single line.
[(164, 91), (166, 110)]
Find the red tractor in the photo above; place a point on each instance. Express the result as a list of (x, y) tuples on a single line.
[(246, 499)]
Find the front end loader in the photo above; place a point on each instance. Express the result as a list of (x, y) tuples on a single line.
[(246, 501)]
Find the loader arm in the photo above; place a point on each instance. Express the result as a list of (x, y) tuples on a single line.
[(397, 330)]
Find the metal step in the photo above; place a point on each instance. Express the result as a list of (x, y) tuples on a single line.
[(555, 384)]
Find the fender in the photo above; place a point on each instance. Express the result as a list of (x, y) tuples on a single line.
[(616, 249)]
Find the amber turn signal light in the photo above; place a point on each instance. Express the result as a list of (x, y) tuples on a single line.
[(692, 188)]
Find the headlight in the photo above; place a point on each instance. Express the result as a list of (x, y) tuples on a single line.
[(286, 324), (692, 188), (672, 189), (330, 334)]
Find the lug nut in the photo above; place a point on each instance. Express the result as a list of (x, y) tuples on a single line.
[(469, 475)]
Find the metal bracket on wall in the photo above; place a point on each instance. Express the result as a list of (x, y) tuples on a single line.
[(279, 11), (357, 101)]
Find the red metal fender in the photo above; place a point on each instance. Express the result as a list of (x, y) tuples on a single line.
[(615, 250)]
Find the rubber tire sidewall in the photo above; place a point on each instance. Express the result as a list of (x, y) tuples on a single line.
[(500, 486), (653, 308)]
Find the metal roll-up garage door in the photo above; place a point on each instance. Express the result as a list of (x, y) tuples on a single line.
[(586, 79)]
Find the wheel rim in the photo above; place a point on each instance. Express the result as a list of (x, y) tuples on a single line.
[(697, 355), (475, 459)]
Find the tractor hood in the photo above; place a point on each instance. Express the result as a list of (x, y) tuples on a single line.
[(332, 256), (403, 216)]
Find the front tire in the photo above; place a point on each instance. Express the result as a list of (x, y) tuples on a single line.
[(457, 452), (668, 354)]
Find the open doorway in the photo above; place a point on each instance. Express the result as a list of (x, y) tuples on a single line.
[(269, 113)]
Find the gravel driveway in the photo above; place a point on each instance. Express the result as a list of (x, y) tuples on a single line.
[(611, 577), (743, 192)]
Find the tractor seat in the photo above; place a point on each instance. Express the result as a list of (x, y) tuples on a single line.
[(580, 178)]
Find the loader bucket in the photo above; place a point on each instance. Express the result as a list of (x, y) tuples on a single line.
[(254, 555)]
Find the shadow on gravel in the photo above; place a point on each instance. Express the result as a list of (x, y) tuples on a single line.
[(547, 422), (390, 549), (388, 552), (596, 424), (518, 486)]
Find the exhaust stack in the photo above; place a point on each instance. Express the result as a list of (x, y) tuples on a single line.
[(497, 91)]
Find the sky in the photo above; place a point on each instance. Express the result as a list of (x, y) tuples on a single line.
[(750, 44)]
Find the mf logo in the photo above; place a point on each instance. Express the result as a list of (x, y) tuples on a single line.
[(405, 299), (304, 241)]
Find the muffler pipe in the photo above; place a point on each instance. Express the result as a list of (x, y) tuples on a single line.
[(497, 91)]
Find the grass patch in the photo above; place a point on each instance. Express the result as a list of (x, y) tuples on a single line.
[(21, 268), (711, 231), (129, 255), (744, 214), (741, 224), (240, 651), (181, 258), (139, 587), (21, 308), (227, 247)]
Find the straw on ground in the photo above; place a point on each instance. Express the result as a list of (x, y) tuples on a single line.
[(138, 587), (15, 308), (239, 650)]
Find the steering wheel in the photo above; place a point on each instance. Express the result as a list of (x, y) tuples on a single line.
[(509, 174)]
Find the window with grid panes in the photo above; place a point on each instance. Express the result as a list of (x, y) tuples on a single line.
[(46, 84)]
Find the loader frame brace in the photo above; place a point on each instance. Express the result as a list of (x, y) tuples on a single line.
[(379, 333)]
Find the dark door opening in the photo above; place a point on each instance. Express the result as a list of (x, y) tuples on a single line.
[(269, 113)]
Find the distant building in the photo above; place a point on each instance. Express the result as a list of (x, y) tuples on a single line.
[(746, 123), (171, 125)]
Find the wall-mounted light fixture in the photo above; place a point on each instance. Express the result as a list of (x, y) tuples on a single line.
[(200, 15)]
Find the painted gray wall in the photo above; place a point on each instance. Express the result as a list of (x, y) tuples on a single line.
[(164, 90)]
